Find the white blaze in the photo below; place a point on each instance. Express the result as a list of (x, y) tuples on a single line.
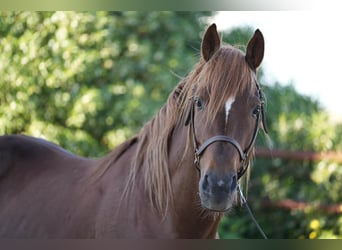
[(228, 106)]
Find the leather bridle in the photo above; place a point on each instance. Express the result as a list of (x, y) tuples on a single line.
[(244, 154)]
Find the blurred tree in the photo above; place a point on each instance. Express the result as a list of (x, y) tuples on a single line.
[(83, 78)]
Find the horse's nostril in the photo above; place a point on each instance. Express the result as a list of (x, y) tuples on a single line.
[(234, 184), (205, 183)]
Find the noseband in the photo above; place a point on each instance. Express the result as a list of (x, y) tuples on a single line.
[(244, 159)]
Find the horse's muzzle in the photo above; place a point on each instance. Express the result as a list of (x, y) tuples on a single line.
[(217, 192)]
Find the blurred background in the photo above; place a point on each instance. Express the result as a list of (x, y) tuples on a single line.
[(89, 80)]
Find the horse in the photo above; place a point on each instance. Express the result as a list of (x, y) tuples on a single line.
[(175, 178)]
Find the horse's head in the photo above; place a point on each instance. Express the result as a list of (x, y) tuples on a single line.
[(225, 113)]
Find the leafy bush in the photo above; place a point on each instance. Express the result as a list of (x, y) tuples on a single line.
[(90, 80)]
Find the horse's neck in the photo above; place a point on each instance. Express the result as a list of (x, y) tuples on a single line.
[(192, 219), (185, 219)]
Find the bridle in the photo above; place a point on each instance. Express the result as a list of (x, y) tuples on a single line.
[(244, 154)]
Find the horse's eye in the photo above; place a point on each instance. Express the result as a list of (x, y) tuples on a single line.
[(256, 111), (199, 103)]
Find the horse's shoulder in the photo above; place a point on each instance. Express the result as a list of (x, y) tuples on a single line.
[(14, 148)]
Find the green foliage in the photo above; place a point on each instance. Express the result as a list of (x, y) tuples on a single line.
[(83, 78)]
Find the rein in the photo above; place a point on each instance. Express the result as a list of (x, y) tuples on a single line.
[(244, 159), (245, 204)]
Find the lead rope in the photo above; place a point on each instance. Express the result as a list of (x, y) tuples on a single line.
[(244, 203)]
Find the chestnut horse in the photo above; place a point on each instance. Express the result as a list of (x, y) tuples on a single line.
[(174, 179)]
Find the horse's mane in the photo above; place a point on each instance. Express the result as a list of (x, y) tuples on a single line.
[(224, 75)]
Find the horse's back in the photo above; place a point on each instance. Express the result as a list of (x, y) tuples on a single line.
[(20, 151)]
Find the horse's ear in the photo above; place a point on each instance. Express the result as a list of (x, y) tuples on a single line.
[(211, 42), (255, 50)]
